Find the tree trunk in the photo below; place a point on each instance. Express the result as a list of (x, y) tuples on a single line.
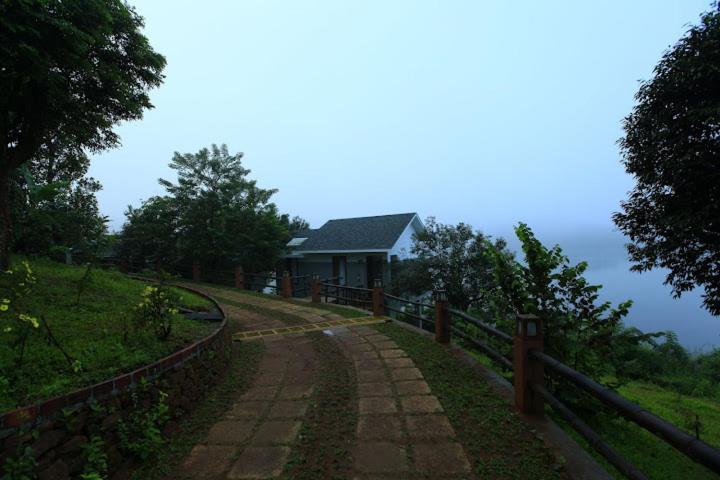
[(5, 220)]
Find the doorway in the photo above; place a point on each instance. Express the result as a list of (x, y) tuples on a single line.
[(374, 269), (340, 270)]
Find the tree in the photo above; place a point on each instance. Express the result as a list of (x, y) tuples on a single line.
[(150, 233), (295, 224), (70, 69), (454, 258), (672, 147), (54, 202), (213, 214), (579, 330)]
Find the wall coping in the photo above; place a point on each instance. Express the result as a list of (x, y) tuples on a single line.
[(46, 409)]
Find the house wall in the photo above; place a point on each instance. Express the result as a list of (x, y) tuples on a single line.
[(356, 267), (403, 246)]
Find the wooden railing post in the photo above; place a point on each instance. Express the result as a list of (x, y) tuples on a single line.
[(239, 277), (378, 298), (196, 271), (315, 288), (442, 317), (286, 285), (526, 370)]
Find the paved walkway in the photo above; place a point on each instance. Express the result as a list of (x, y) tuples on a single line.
[(401, 431)]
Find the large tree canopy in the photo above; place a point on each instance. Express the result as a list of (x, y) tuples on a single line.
[(453, 257), (69, 69), (672, 147), (213, 213)]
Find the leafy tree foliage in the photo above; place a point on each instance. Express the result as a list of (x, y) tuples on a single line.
[(295, 224), (672, 147), (54, 203), (214, 214), (453, 257), (71, 69), (579, 330)]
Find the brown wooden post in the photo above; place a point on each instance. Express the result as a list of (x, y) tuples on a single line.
[(196, 271), (286, 285), (239, 277), (378, 299), (315, 288), (442, 317), (526, 370), (124, 266)]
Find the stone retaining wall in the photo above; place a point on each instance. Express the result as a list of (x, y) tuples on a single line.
[(58, 429)]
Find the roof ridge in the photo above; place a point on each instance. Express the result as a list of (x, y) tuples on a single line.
[(373, 216)]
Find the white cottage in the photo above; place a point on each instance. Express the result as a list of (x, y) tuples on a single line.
[(354, 250)]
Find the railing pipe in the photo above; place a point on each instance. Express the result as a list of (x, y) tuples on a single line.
[(693, 447), (618, 461), (484, 326)]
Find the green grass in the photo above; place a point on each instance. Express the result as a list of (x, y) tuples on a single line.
[(498, 442), (655, 458), (337, 309), (90, 331), (195, 425)]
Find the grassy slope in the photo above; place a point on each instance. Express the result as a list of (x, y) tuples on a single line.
[(653, 456), (90, 332)]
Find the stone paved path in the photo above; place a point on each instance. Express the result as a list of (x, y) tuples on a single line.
[(401, 432)]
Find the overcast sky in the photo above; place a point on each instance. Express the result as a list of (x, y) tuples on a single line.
[(487, 112)]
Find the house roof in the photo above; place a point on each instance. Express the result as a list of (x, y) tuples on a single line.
[(357, 234)]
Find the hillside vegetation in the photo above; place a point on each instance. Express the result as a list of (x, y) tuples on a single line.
[(90, 315)]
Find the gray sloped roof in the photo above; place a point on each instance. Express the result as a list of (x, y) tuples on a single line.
[(363, 233)]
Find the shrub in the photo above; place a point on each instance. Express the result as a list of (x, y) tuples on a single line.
[(156, 310)]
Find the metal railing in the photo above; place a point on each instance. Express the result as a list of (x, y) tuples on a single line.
[(345, 295), (692, 447), (496, 340)]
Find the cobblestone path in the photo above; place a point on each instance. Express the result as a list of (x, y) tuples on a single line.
[(400, 428)]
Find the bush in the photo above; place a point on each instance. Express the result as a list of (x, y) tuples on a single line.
[(156, 310)]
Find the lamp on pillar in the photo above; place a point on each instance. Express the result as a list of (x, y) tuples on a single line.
[(442, 317), (286, 285), (526, 370), (378, 298), (315, 288)]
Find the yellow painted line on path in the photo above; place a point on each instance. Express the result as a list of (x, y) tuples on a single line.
[(309, 327)]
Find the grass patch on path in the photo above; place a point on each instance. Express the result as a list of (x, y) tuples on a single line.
[(88, 318), (498, 443), (323, 449)]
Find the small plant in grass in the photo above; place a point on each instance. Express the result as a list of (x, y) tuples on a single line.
[(21, 466), (156, 309), (96, 460), (140, 434)]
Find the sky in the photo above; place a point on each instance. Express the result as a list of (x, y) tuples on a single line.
[(485, 112)]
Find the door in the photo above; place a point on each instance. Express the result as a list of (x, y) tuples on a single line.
[(374, 269), (340, 270)]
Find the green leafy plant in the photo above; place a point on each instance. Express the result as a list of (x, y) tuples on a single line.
[(156, 310), (96, 460), (140, 434), (580, 331)]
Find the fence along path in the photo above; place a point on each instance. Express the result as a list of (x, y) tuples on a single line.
[(527, 363)]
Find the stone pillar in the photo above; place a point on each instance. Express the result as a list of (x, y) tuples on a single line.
[(378, 298), (526, 370), (239, 277), (315, 288), (442, 318), (286, 285), (196, 271)]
